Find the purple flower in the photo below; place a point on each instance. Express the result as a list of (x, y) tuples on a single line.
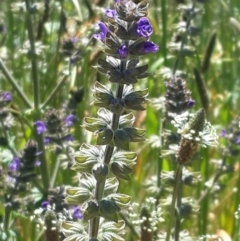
[(77, 213), (110, 13), (40, 127), (7, 96), (104, 30), (144, 28), (37, 163), (191, 103), (47, 140), (143, 48), (149, 47), (45, 204), (223, 133), (15, 164), (118, 1), (69, 121), (69, 137), (238, 140), (122, 52)]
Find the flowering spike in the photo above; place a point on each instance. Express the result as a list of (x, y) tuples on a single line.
[(198, 121)]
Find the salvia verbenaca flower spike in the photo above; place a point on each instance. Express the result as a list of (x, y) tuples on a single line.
[(177, 98), (125, 38)]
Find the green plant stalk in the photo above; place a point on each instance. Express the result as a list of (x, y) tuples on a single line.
[(21, 115), (129, 224), (36, 93), (57, 165), (34, 72), (177, 224), (55, 91), (94, 223), (176, 63), (237, 203), (7, 212), (6, 219), (174, 198), (164, 30), (207, 191), (57, 55), (14, 84), (160, 160), (44, 166)]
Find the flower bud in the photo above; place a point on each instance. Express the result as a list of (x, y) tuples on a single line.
[(100, 172), (108, 209), (121, 170), (91, 211)]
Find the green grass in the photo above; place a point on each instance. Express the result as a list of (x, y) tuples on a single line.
[(222, 80)]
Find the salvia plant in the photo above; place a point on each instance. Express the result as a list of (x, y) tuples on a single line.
[(106, 120), (125, 38)]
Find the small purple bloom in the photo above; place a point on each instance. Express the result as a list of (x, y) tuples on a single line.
[(69, 121), (223, 133), (238, 140), (38, 153), (37, 163), (40, 127), (123, 51), (144, 28), (45, 204), (47, 140), (69, 137), (118, 1), (15, 164), (191, 103), (7, 96), (110, 13), (77, 213), (149, 47), (103, 32)]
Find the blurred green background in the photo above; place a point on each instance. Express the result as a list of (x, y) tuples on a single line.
[(222, 80)]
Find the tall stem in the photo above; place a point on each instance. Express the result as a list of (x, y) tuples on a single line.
[(36, 92), (14, 84), (160, 161), (35, 79), (182, 42), (174, 198), (94, 223), (178, 219)]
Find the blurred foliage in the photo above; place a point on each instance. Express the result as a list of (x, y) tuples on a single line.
[(222, 80)]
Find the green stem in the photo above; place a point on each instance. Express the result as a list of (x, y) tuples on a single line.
[(164, 30), (184, 36), (130, 225), (6, 219), (174, 198), (57, 56), (36, 92), (35, 79), (44, 166), (215, 179), (54, 92), (160, 161), (14, 84), (55, 172), (57, 165), (94, 223), (177, 225), (21, 115)]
